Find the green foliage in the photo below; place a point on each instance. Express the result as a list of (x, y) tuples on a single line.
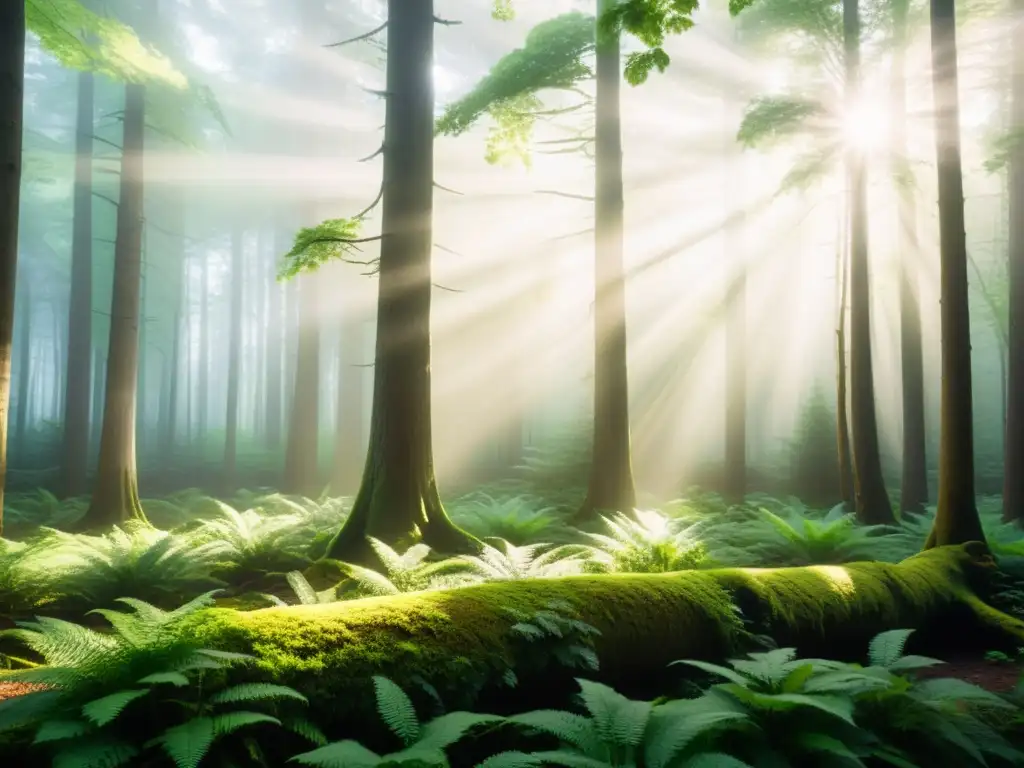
[(109, 698), (769, 119), (648, 543), (423, 744), (1001, 149), (81, 39), (650, 21), (551, 58), (554, 634), (331, 240), (520, 519), (406, 572), (502, 561)]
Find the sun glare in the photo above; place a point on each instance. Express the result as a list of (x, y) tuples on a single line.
[(865, 125)]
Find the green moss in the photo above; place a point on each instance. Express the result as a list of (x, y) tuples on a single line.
[(452, 638)]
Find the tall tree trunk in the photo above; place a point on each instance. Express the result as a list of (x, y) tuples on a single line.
[(611, 486), (274, 371), (174, 372), (99, 388), (115, 496), (12, 84), (1013, 446), (873, 504), (203, 377), (348, 437), (189, 365), (914, 485), (234, 362), (24, 324), (77, 398), (398, 499), (956, 520), (300, 464), (842, 421)]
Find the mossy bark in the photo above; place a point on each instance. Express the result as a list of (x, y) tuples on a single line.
[(872, 499), (646, 621), (1013, 464), (398, 500), (914, 484), (956, 519), (611, 486), (115, 496)]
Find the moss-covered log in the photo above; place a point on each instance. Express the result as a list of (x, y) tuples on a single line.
[(452, 638)]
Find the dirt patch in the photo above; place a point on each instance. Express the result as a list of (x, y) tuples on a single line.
[(11, 690), (994, 676)]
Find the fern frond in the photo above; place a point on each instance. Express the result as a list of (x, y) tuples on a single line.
[(396, 710), (255, 692), (106, 709), (340, 754)]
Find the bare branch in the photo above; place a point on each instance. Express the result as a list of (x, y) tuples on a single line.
[(101, 140), (358, 38), (444, 249), (371, 206), (104, 197), (372, 92), (368, 158), (571, 235), (448, 189), (446, 22), (588, 198), (450, 290)]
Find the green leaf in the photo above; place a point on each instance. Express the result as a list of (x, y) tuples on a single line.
[(58, 730), (769, 119), (447, 729), (887, 647), (331, 240), (188, 743), (511, 760), (98, 753), (104, 710), (396, 710), (716, 669), (170, 678), (715, 759), (340, 754), (255, 692)]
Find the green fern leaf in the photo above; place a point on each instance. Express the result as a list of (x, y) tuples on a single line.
[(448, 729), (230, 722), (676, 724), (418, 756), (170, 678), (912, 662), (950, 689), (570, 759), (58, 730), (715, 760), (887, 647), (716, 669), (105, 710), (255, 692), (396, 710), (511, 760), (304, 728), (568, 727), (340, 754), (100, 753), (302, 588), (617, 720), (188, 743)]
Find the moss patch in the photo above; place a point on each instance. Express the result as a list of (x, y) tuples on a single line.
[(455, 638)]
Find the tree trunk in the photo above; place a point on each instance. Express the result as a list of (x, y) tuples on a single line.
[(914, 486), (115, 496), (12, 86), (99, 388), (203, 377), (234, 361), (348, 437), (872, 499), (1013, 446), (611, 487), (274, 359), (77, 398), (300, 462), (842, 421), (169, 436), (24, 361), (398, 500), (956, 520)]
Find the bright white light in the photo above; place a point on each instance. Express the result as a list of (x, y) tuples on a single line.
[(865, 126), (444, 81), (776, 78)]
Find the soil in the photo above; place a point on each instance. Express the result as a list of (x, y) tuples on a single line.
[(994, 676), (10, 690)]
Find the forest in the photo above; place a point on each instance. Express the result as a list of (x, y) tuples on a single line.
[(512, 383)]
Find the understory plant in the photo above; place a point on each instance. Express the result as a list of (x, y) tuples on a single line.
[(646, 543), (107, 699)]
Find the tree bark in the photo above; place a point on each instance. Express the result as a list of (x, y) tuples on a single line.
[(274, 360), (115, 497), (77, 398), (348, 438), (914, 485), (234, 363), (24, 325), (203, 374), (398, 500), (872, 499), (301, 460), (611, 487), (842, 420), (956, 520), (12, 86), (1013, 445)]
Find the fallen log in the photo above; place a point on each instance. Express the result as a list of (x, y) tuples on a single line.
[(456, 638)]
